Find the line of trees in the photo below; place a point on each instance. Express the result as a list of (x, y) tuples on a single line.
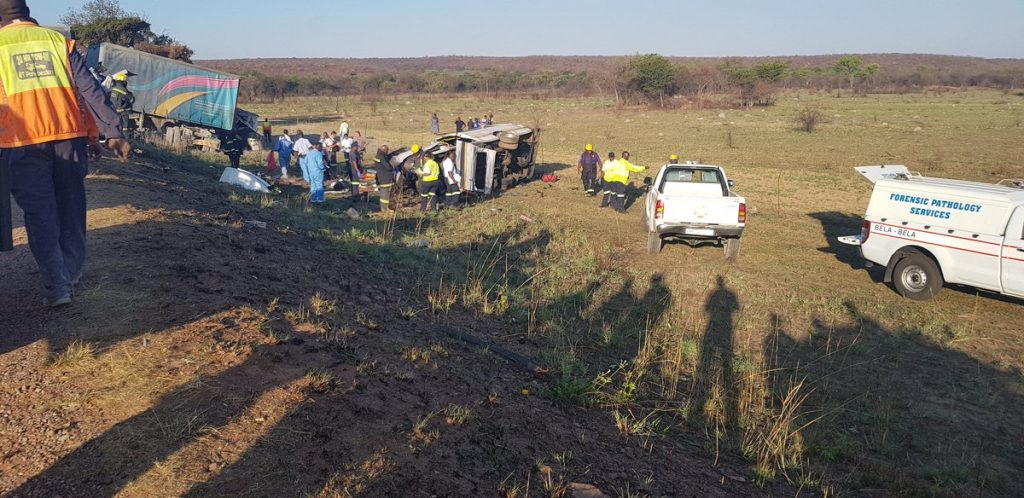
[(651, 78), (256, 86), (644, 79)]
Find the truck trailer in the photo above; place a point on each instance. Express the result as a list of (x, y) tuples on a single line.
[(172, 93)]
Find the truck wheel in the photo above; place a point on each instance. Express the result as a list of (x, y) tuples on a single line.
[(654, 242), (732, 249), (917, 277)]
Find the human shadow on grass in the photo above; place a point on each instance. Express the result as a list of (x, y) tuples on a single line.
[(715, 376), (633, 195), (898, 410)]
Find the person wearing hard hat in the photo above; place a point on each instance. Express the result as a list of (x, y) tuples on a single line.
[(587, 168), (53, 112), (122, 98), (428, 186), (673, 159)]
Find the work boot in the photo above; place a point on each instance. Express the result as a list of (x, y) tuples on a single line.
[(606, 200), (57, 302)]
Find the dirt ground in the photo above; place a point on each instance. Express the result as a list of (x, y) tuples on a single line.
[(205, 357)]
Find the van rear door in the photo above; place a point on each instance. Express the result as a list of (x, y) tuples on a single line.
[(1012, 271)]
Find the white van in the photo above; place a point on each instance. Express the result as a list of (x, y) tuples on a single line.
[(927, 231)]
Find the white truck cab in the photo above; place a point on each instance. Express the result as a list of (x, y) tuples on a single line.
[(694, 203), (928, 231)]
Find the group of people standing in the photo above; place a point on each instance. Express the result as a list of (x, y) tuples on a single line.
[(610, 176), (474, 123), (316, 161)]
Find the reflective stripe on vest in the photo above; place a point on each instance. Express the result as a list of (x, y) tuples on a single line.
[(36, 87), (431, 171), (120, 91)]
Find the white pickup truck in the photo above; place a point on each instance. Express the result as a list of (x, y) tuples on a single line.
[(927, 231), (694, 203)]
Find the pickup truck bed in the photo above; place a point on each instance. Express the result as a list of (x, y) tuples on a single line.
[(694, 203)]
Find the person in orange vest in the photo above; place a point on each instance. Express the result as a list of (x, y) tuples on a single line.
[(268, 130), (54, 111)]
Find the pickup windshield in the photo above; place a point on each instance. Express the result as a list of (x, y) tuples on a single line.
[(687, 179)]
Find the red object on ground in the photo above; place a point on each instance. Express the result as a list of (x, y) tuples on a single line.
[(549, 178), (271, 162)]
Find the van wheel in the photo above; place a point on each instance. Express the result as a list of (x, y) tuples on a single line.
[(732, 249), (917, 277), (654, 242)]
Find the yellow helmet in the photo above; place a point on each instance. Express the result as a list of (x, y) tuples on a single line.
[(120, 77), (673, 157), (589, 148), (415, 148)]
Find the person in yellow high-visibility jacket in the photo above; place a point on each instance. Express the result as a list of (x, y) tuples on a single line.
[(622, 172), (429, 184), (609, 177)]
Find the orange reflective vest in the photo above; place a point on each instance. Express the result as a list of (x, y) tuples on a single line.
[(37, 91)]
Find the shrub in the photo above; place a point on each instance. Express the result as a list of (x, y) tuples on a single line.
[(808, 119)]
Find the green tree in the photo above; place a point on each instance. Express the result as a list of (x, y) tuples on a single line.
[(852, 67), (757, 84), (101, 21), (772, 72), (651, 75)]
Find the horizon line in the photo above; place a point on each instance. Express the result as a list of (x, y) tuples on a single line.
[(863, 54)]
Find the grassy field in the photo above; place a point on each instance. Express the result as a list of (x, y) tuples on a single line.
[(796, 357)]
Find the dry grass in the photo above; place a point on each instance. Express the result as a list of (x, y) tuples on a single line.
[(457, 414), (76, 353), (320, 380), (577, 279)]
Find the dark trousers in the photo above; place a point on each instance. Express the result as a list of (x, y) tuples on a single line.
[(125, 121), (614, 195), (590, 180), (451, 194), (385, 196), (354, 180), (48, 182), (266, 137), (235, 160), (619, 201), (608, 189), (428, 194)]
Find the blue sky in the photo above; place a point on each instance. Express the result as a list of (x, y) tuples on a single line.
[(403, 28)]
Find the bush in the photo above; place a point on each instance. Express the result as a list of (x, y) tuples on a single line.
[(808, 119)]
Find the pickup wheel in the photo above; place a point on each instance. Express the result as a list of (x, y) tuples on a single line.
[(654, 242), (917, 277), (732, 249)]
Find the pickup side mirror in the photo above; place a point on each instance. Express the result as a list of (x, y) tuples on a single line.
[(731, 184), (648, 181)]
